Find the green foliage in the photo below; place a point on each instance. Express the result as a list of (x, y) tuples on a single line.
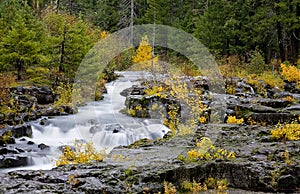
[(19, 47), (38, 76), (257, 63), (70, 39)]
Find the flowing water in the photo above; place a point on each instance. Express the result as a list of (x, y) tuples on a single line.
[(100, 122)]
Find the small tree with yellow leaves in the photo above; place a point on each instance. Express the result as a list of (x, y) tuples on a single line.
[(143, 56)]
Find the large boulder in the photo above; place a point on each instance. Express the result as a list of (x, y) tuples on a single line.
[(43, 94), (21, 130), (8, 161)]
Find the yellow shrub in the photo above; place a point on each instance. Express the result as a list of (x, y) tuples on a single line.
[(287, 132), (202, 119), (205, 150), (271, 79), (6, 80), (290, 73), (143, 55), (68, 95), (155, 90), (83, 153), (169, 188), (104, 34), (290, 99), (234, 120), (193, 187)]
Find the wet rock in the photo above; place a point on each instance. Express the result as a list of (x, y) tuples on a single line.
[(44, 121), (134, 90), (200, 82), (145, 104), (43, 95), (22, 130), (5, 150), (30, 143), (243, 87), (25, 102), (43, 146), (94, 129), (2, 118), (115, 128), (66, 110), (12, 161)]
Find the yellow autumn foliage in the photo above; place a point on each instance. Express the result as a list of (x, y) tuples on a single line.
[(287, 132), (234, 120), (205, 150), (143, 57), (291, 73), (83, 153)]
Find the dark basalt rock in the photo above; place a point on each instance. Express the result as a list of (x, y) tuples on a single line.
[(292, 108), (44, 121), (272, 118), (253, 108), (274, 103), (13, 161), (43, 146), (291, 87), (6, 150), (147, 102), (43, 95), (22, 130), (30, 143), (287, 183)]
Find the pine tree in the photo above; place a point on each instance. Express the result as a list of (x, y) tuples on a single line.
[(70, 40), (19, 47)]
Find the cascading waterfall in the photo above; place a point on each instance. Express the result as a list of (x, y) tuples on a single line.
[(100, 122)]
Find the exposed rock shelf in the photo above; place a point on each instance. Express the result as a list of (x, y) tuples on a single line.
[(259, 166)]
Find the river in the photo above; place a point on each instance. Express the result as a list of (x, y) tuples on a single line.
[(100, 122)]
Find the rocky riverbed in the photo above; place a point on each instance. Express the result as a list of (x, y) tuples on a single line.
[(262, 163)]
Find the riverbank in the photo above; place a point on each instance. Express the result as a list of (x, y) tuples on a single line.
[(258, 166)]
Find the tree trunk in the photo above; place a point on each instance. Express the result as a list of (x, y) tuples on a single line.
[(280, 41), (57, 5), (62, 54), (296, 35), (19, 69)]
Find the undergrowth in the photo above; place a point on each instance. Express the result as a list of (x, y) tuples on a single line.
[(81, 153), (205, 150), (285, 132)]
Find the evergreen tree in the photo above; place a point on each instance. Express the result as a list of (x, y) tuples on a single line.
[(70, 40), (20, 46)]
